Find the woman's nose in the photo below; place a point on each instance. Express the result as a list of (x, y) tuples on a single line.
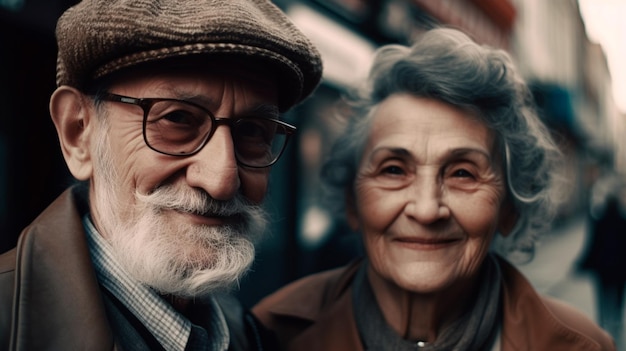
[(425, 201)]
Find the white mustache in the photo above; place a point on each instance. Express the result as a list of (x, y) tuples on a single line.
[(195, 201)]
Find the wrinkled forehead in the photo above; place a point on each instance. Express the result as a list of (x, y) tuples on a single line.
[(468, 123)]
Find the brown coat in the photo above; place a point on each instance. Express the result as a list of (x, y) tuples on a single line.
[(315, 313)]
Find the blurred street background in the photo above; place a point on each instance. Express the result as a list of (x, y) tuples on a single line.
[(554, 270), (571, 70)]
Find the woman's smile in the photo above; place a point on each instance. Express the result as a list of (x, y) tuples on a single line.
[(418, 243)]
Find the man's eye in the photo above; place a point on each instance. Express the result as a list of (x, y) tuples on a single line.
[(255, 131), (250, 129), (182, 117)]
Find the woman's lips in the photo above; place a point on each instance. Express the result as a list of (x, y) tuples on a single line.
[(426, 243)]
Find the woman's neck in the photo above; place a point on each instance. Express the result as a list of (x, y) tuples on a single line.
[(420, 317)]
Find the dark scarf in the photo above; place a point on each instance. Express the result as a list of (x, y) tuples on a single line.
[(474, 330)]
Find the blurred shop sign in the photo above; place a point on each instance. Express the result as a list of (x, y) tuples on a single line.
[(381, 21), (489, 21), (355, 11), (346, 55)]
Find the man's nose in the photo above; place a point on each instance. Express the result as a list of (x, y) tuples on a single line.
[(214, 168), (425, 202)]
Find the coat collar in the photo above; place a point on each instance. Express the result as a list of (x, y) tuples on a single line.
[(528, 324), (58, 304)]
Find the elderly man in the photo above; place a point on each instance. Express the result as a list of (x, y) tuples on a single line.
[(168, 111)]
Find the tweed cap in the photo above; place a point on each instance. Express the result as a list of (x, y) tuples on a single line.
[(97, 38)]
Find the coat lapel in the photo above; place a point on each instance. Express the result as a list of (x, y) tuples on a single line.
[(58, 304)]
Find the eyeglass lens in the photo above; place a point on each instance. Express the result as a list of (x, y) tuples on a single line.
[(179, 128)]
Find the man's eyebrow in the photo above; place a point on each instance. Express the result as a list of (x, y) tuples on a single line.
[(201, 100), (264, 110)]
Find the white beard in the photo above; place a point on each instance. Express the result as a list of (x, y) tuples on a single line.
[(181, 259)]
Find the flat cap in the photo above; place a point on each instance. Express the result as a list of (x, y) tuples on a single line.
[(96, 38)]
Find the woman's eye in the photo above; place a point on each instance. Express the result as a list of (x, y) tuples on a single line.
[(462, 173), (393, 170)]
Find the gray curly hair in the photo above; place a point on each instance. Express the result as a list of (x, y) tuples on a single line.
[(445, 64)]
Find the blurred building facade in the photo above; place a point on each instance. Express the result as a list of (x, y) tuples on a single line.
[(572, 85), (568, 75)]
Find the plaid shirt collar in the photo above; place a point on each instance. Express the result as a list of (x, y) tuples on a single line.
[(171, 329)]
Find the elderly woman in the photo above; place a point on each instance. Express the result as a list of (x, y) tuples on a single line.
[(444, 168)]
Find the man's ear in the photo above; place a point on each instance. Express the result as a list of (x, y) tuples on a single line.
[(351, 213), (508, 218), (73, 117)]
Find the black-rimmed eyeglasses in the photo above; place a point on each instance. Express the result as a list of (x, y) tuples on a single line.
[(182, 128)]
